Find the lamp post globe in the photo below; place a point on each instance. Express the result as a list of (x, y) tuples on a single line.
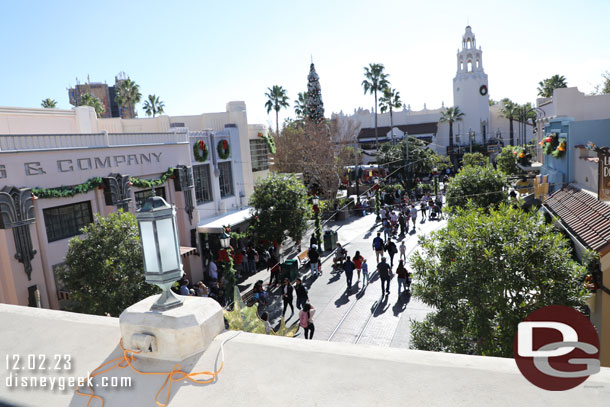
[(160, 247), (225, 240), (315, 200)]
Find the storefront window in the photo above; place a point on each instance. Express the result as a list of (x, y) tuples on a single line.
[(201, 175), (62, 222), (225, 179), (141, 196)]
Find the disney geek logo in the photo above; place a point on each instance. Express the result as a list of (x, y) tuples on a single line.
[(556, 348)]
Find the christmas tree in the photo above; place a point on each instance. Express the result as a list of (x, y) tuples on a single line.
[(315, 106)]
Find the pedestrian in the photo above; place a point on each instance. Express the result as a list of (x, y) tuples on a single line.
[(365, 273), (252, 255), (238, 258), (287, 296), (382, 213), (402, 275), (314, 258), (357, 259), (403, 251), (413, 213), (301, 293), (385, 275), (265, 319), (212, 271), (402, 222), (314, 240), (387, 229), (349, 267), (340, 254), (184, 287), (306, 320), (378, 246), (274, 279), (390, 247), (202, 290), (422, 208)]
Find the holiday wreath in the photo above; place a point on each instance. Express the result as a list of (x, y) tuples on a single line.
[(223, 149), (200, 151)]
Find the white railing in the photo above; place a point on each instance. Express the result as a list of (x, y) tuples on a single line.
[(25, 142)]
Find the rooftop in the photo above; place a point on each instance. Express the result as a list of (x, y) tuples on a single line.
[(411, 129), (274, 371)]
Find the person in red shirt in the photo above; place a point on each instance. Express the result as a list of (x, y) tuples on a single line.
[(358, 262), (402, 275)]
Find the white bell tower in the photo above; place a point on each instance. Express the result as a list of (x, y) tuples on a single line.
[(470, 91)]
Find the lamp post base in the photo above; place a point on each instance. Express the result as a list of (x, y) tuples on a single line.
[(167, 300)]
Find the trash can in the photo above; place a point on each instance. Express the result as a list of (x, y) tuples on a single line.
[(289, 269), (330, 240)]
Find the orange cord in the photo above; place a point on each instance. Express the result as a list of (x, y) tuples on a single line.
[(176, 374)]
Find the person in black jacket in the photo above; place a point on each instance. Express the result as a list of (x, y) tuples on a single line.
[(390, 247), (314, 258), (301, 292), (287, 296)]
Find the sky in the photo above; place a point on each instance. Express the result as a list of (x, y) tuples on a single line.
[(199, 55)]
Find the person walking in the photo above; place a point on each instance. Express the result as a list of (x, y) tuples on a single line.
[(378, 246), (423, 207), (313, 241), (349, 267), (275, 271), (252, 255), (402, 275), (301, 292), (403, 251), (314, 258), (357, 259), (385, 275), (402, 222), (287, 296), (390, 247), (413, 213), (365, 273), (306, 320), (387, 229)]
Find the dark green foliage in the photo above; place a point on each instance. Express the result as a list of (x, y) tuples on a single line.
[(314, 106), (67, 191), (104, 270), (484, 186), (149, 183), (474, 159), (507, 163), (484, 273), (282, 208)]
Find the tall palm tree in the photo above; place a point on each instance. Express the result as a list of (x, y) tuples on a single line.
[(451, 115), (389, 101), (510, 110), (49, 103), (128, 95), (277, 99), (375, 80), (300, 105), (87, 99), (153, 106), (546, 86)]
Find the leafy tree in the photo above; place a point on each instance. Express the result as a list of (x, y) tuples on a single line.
[(484, 273), (153, 106), (389, 101), (393, 156), (49, 103), (276, 99), (492, 102), (451, 115), (483, 186), (300, 105), (441, 162), (375, 80), (506, 162), (103, 268), (281, 208), (315, 107), (87, 99), (127, 96), (510, 110), (604, 87), (474, 159), (547, 86)]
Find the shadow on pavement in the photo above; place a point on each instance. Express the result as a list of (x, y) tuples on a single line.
[(383, 306), (401, 303)]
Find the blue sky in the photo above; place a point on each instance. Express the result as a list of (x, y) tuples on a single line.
[(198, 55)]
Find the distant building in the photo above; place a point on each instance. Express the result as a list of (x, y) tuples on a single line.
[(106, 94)]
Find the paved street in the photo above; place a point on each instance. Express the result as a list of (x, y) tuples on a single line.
[(361, 315)]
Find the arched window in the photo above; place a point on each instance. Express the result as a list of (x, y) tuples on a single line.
[(469, 66), (461, 65), (469, 44), (478, 63)]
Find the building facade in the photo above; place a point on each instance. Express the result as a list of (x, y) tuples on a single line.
[(59, 168)]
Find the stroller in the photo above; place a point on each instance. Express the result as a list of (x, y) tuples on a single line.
[(340, 255), (435, 213)]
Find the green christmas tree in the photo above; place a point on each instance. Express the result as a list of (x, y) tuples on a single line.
[(315, 106)]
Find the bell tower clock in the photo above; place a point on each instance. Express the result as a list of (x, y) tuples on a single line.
[(470, 89)]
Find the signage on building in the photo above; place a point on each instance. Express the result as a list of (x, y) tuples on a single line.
[(603, 189), (494, 148)]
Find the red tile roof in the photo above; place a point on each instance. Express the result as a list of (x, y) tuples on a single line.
[(586, 217)]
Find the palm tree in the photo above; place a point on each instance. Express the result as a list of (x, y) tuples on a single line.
[(128, 95), (300, 105), (510, 110), (49, 103), (87, 99), (375, 80), (546, 86), (153, 106), (277, 99), (451, 115), (389, 101)]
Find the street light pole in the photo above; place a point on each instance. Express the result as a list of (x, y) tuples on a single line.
[(377, 200), (470, 135)]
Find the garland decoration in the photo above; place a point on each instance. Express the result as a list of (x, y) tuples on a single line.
[(201, 151), (522, 156), (269, 140), (223, 149), (561, 148), (95, 182), (550, 143)]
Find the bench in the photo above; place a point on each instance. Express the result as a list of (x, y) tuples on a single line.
[(303, 258)]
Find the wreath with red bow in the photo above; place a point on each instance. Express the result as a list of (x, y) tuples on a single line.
[(200, 151), (223, 149)]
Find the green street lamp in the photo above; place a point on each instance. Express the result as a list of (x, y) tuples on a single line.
[(225, 239), (377, 199), (159, 236)]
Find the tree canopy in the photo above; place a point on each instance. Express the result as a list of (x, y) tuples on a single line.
[(153, 106), (548, 85), (484, 273), (103, 270), (49, 103), (475, 159), (393, 156), (506, 162), (483, 186), (87, 99), (281, 208), (276, 100), (128, 95)]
